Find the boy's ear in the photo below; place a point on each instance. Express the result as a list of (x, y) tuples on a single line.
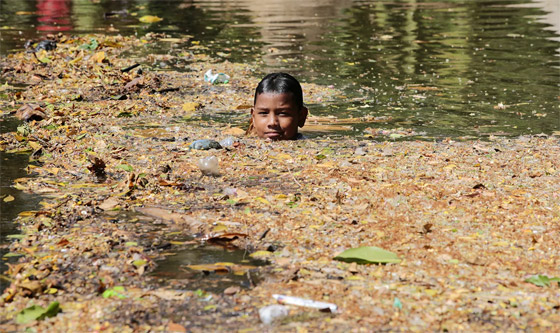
[(302, 116)]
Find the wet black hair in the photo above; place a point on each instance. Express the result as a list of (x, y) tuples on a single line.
[(280, 83)]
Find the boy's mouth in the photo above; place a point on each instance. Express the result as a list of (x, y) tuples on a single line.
[(273, 135)]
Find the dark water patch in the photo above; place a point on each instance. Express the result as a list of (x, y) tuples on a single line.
[(207, 267), (185, 262), (12, 166)]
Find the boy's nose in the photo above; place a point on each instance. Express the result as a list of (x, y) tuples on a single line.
[(273, 120)]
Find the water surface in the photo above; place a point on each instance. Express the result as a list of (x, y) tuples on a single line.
[(462, 69)]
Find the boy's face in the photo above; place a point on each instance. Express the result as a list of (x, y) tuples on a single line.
[(277, 117)]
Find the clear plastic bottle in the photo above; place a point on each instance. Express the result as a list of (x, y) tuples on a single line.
[(209, 166), (216, 78)]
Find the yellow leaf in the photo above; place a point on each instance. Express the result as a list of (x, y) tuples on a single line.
[(150, 19), (263, 200), (191, 106), (450, 166), (282, 156), (75, 60), (261, 254), (34, 145), (9, 198), (431, 292), (28, 213), (219, 228), (51, 291), (98, 57)]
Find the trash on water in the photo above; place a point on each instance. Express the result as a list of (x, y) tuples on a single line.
[(216, 78), (323, 306), (228, 142), (209, 166), (205, 144), (272, 313), (47, 45)]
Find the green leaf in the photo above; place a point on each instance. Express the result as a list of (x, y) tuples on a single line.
[(368, 255), (36, 312), (139, 262), (320, 157), (397, 303), (18, 236), (125, 167), (81, 136), (92, 45), (116, 291), (542, 280), (12, 254)]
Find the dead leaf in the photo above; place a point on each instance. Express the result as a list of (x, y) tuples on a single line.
[(235, 131), (34, 286), (135, 83), (109, 203), (175, 328), (191, 106), (232, 290), (30, 112), (99, 57), (226, 237)]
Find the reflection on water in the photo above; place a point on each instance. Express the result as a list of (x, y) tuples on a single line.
[(458, 69)]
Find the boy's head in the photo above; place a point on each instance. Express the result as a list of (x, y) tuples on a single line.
[(278, 108)]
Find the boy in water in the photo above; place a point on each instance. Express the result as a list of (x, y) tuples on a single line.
[(278, 108)]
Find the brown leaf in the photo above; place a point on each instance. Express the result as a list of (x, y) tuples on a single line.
[(63, 242), (109, 203), (232, 290), (97, 167), (33, 286), (235, 131), (226, 237), (427, 228), (176, 328), (163, 182), (30, 112), (137, 82)]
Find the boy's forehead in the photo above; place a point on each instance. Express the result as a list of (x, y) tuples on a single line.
[(282, 97)]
